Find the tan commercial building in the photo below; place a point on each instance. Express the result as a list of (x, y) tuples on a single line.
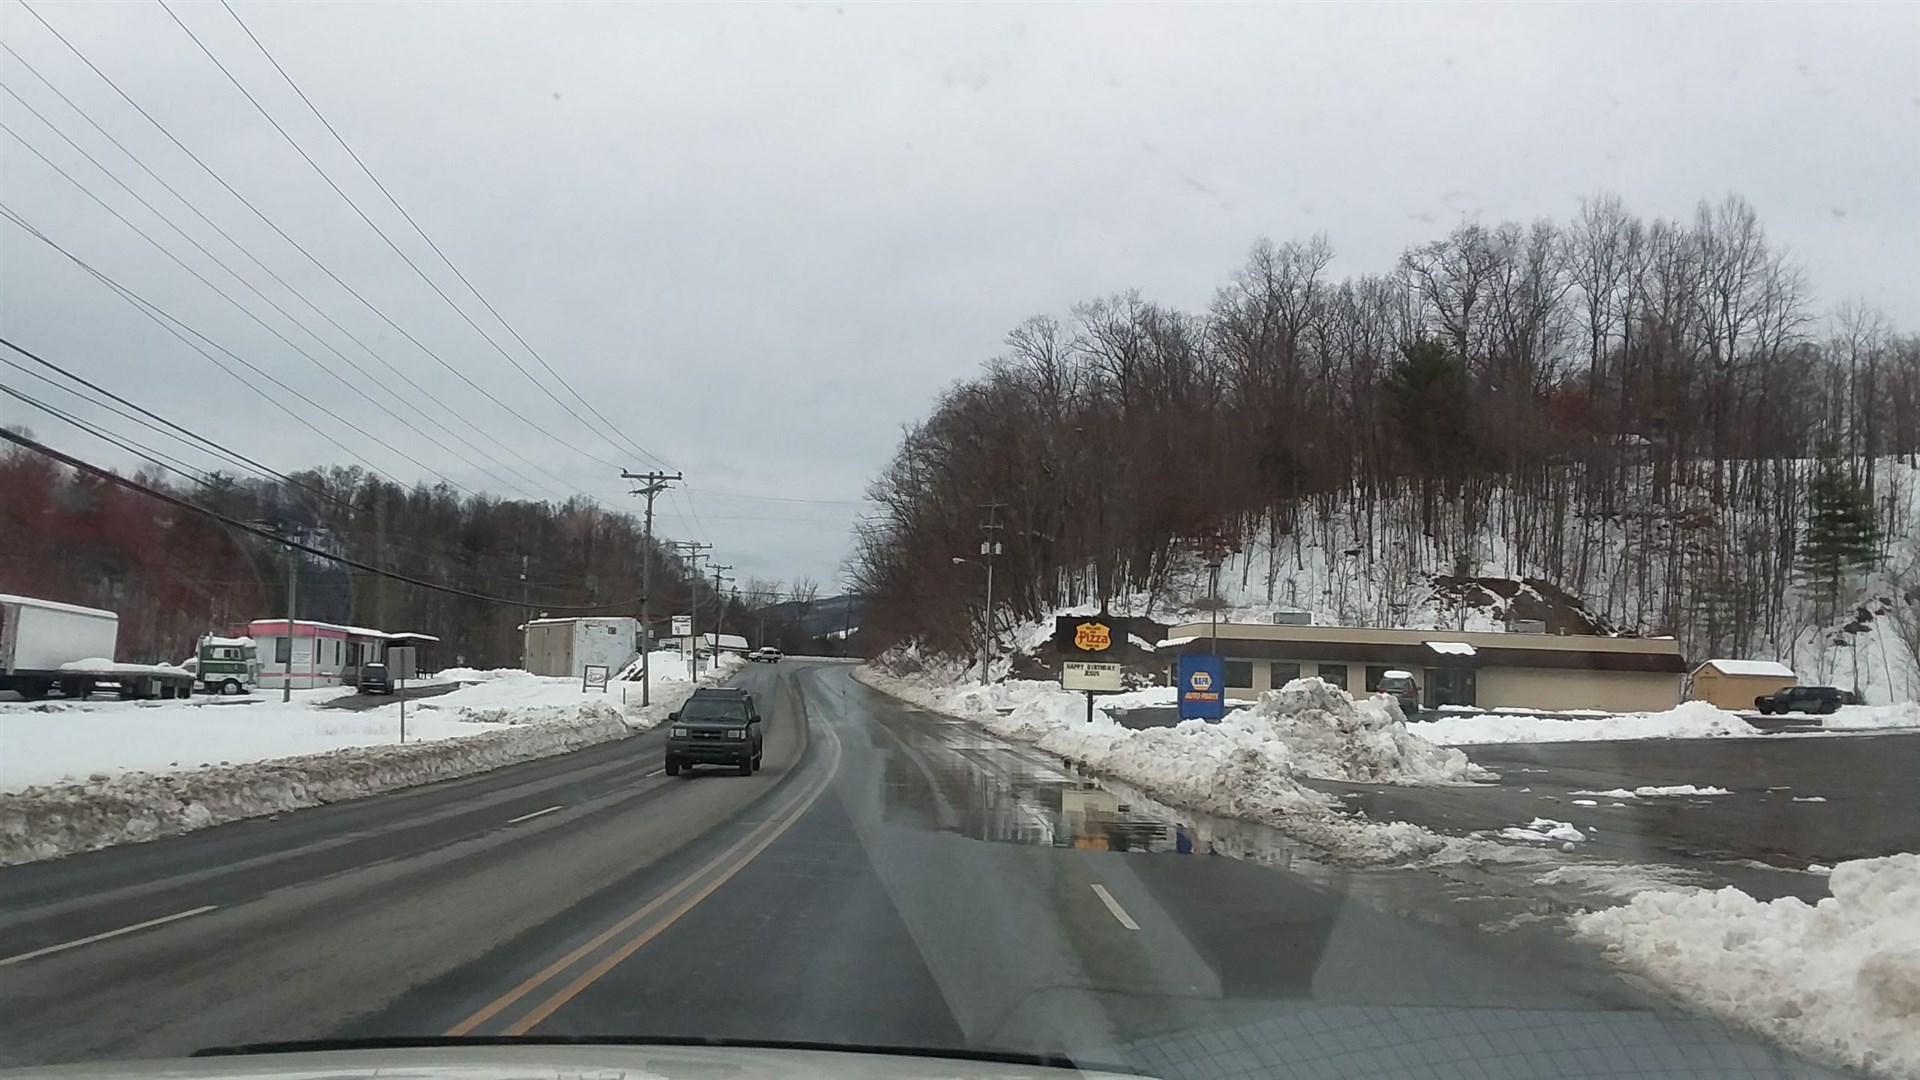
[(1487, 670), (1733, 684)]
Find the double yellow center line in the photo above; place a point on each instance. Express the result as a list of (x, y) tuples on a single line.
[(716, 872)]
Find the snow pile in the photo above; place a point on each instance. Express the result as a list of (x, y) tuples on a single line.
[(1656, 792), (61, 818), (1838, 980), (1905, 714), (1544, 830), (1692, 720), (1246, 766)]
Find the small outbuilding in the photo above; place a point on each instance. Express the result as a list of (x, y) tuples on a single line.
[(1733, 684)]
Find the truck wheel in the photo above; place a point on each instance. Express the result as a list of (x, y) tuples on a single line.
[(31, 691), (673, 767), (746, 766), (231, 686)]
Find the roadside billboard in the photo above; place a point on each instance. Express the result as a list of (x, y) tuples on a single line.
[(1202, 683)]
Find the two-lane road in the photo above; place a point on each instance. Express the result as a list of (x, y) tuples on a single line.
[(890, 878)]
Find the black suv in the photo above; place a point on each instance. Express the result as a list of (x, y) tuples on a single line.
[(374, 679), (1806, 699), (718, 725)]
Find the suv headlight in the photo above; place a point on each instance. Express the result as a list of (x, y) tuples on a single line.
[(679, 732), (736, 733)]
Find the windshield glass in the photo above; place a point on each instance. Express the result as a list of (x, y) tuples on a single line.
[(1347, 539), (713, 709)]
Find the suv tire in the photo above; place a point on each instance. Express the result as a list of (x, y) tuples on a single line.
[(746, 766), (673, 767)]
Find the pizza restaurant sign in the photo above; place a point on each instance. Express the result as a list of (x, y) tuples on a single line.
[(1090, 647)]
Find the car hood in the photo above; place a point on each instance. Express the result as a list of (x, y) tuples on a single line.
[(544, 1062)]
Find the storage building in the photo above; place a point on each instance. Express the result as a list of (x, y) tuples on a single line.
[(564, 647), (1487, 670), (1733, 684)]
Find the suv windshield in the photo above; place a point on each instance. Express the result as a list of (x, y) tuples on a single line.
[(706, 708)]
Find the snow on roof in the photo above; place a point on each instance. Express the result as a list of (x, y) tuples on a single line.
[(727, 641), (410, 636), (1770, 668), (1451, 648), (212, 639), (1177, 641), (55, 605)]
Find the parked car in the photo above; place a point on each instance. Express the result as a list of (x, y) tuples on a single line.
[(1806, 699), (766, 654), (1400, 685), (717, 725), (375, 679)]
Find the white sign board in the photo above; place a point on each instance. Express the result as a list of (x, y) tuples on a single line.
[(594, 677), (1099, 678), (683, 626)]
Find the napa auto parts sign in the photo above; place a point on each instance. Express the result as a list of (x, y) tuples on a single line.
[(1203, 687), (1090, 648)]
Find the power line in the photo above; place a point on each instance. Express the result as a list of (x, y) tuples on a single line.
[(337, 418), (404, 257), (423, 235), (397, 369), (140, 450), (228, 297), (173, 500), (155, 313), (232, 455), (217, 261), (297, 246)]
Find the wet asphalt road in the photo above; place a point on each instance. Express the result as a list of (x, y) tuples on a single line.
[(891, 878)]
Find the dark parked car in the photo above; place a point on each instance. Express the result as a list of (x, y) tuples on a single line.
[(375, 680), (716, 726), (1806, 699)]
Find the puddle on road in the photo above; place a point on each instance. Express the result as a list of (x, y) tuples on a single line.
[(1003, 793)]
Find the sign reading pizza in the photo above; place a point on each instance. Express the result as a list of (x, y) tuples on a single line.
[(1088, 637)]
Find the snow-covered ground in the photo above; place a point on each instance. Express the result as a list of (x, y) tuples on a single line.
[(87, 774), (1691, 720), (1838, 980)]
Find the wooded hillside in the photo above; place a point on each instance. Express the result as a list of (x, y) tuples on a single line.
[(173, 575), (1638, 409)]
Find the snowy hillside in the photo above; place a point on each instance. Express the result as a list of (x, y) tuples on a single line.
[(1365, 562)]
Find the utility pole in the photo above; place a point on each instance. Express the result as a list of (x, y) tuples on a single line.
[(989, 547), (719, 607), (651, 484), (293, 612), (693, 550)]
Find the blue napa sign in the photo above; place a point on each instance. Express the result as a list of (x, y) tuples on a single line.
[(1203, 687)]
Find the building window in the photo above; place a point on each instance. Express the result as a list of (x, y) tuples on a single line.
[(1240, 674), (283, 649), (1335, 674), (1376, 674), (1280, 674)]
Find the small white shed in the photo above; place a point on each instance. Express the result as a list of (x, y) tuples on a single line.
[(564, 647)]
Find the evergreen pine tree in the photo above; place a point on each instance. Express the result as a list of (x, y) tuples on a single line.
[(1841, 534)]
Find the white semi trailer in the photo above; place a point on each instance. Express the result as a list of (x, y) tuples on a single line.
[(47, 646)]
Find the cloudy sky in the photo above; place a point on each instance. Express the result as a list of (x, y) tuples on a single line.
[(760, 239)]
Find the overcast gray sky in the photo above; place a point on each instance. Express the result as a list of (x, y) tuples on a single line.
[(762, 238)]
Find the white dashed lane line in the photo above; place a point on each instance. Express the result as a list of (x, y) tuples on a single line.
[(1113, 906), (91, 938)]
